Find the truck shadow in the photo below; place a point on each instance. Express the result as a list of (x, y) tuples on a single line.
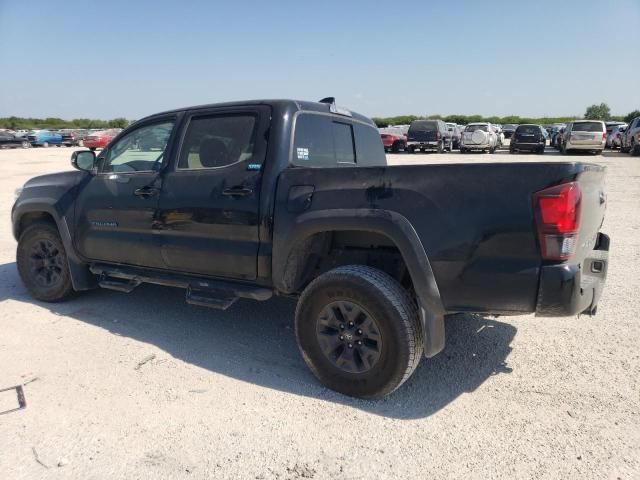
[(254, 342)]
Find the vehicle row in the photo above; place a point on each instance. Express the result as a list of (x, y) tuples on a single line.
[(92, 139), (595, 135)]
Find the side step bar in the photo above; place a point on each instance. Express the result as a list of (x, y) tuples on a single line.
[(205, 292)]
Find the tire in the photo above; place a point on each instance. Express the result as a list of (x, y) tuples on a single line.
[(634, 151), (512, 151), (463, 150), (42, 263), (93, 149), (375, 301), (440, 147), (25, 144), (80, 143), (540, 151), (395, 148), (45, 144)]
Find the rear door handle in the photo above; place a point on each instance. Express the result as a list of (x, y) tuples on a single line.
[(145, 192), (237, 191)]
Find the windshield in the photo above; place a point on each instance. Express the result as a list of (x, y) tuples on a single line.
[(473, 128)]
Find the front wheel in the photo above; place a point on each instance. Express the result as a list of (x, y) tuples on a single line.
[(358, 331), (45, 144), (42, 263), (25, 144), (440, 147)]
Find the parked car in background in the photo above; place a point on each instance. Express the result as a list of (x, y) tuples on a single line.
[(99, 139), (528, 137), (559, 137), (479, 136), (456, 134), (21, 133), (428, 135), (630, 140), (508, 129), (70, 138), (393, 140), (10, 140), (614, 136), (588, 135), (499, 135), (44, 138)]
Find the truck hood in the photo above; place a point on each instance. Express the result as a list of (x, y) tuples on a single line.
[(55, 180)]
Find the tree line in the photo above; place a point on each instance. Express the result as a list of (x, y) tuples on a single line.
[(20, 123), (593, 112)]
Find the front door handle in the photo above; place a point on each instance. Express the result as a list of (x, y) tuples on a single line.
[(238, 191), (145, 192)]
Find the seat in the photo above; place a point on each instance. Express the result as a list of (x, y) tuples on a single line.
[(214, 153)]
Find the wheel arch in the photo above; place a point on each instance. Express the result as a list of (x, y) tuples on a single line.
[(292, 247), (28, 213)]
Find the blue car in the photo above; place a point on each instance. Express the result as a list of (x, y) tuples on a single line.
[(44, 138)]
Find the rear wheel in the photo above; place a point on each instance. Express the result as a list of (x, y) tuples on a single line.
[(45, 144), (42, 263), (358, 331), (440, 147), (25, 144)]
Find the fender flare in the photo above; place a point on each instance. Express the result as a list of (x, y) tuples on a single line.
[(390, 224), (81, 277)]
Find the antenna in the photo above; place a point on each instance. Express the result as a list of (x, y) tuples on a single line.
[(329, 100)]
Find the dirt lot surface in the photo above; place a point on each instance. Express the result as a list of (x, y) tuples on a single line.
[(144, 386)]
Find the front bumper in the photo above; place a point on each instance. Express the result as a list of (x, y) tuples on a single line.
[(568, 289)]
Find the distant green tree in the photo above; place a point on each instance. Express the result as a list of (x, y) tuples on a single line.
[(631, 115), (119, 123), (598, 112)]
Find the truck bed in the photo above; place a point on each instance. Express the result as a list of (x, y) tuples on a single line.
[(475, 221)]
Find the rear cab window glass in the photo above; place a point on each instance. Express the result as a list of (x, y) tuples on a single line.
[(327, 141)]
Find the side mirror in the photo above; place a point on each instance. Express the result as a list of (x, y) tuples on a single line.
[(84, 160)]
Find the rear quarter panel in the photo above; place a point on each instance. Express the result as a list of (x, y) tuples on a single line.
[(475, 221)]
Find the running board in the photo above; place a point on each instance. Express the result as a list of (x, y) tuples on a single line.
[(220, 300), (218, 294)]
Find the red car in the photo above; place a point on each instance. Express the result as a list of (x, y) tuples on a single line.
[(393, 141), (99, 139)]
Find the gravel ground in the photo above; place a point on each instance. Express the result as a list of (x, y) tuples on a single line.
[(144, 386)]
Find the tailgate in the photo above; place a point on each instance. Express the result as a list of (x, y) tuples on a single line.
[(593, 206)]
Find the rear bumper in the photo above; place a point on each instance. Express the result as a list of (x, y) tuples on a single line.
[(527, 146), (569, 289), (584, 146), (425, 145)]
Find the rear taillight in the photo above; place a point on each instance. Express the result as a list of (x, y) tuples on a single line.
[(438, 135), (604, 136), (558, 220)]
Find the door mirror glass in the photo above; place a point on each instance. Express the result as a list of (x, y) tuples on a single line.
[(83, 160)]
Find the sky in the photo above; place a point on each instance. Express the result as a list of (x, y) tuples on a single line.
[(113, 58)]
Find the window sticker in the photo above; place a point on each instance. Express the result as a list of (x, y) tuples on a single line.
[(303, 154)]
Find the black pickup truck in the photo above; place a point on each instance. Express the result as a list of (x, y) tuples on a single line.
[(256, 198)]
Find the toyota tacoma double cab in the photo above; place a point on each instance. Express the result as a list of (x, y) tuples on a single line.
[(282, 197)]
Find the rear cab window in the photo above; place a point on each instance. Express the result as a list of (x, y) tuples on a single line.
[(330, 141), (424, 126)]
